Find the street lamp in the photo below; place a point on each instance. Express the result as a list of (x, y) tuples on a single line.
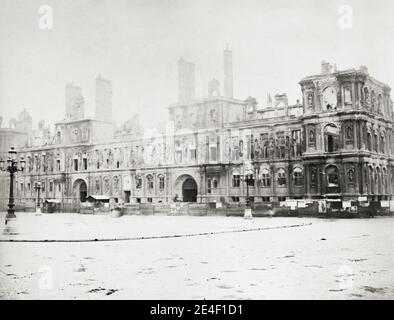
[(249, 178), (11, 167), (37, 187)]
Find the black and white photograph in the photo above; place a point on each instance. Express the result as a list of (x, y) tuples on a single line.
[(195, 150)]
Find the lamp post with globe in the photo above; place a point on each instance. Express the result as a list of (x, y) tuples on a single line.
[(12, 167)]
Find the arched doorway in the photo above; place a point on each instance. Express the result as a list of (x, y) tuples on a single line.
[(189, 190), (81, 190)]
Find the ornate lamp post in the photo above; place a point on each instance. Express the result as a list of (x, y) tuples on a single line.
[(37, 187), (12, 167), (249, 178)]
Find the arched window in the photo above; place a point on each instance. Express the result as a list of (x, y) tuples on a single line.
[(332, 176), (281, 177), (149, 181), (350, 176), (265, 178), (313, 175), (380, 104), (138, 182), (161, 181), (298, 177), (331, 138)]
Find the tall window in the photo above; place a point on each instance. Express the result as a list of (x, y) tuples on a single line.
[(369, 141), (281, 146), (75, 164), (236, 180), (149, 181), (161, 182), (58, 165), (332, 176), (313, 176), (281, 177), (381, 143), (331, 137), (85, 163), (265, 178), (296, 142), (376, 143), (298, 177)]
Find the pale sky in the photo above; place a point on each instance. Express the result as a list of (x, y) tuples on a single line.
[(137, 43)]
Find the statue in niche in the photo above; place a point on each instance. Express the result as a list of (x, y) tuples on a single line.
[(256, 148), (271, 147), (313, 176), (106, 185), (178, 152), (312, 136), (241, 148), (97, 185), (310, 100), (116, 184), (349, 133), (351, 175)]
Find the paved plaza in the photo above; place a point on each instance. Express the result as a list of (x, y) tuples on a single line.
[(309, 259)]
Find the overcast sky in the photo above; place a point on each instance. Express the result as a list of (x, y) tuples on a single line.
[(136, 44)]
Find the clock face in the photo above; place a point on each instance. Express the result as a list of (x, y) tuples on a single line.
[(280, 104), (330, 98)]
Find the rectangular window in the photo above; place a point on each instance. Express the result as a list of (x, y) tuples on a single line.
[(149, 200), (235, 199), (127, 196), (280, 199), (138, 200), (28, 187), (85, 164), (50, 186), (59, 187), (75, 164), (265, 199), (193, 154), (281, 179), (212, 153), (236, 180), (58, 165)]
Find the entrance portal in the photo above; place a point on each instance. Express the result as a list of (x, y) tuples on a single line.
[(81, 190), (189, 190)]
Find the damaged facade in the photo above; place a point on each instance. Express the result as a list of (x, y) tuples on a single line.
[(337, 142)]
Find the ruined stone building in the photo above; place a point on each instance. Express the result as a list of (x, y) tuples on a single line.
[(337, 142)]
